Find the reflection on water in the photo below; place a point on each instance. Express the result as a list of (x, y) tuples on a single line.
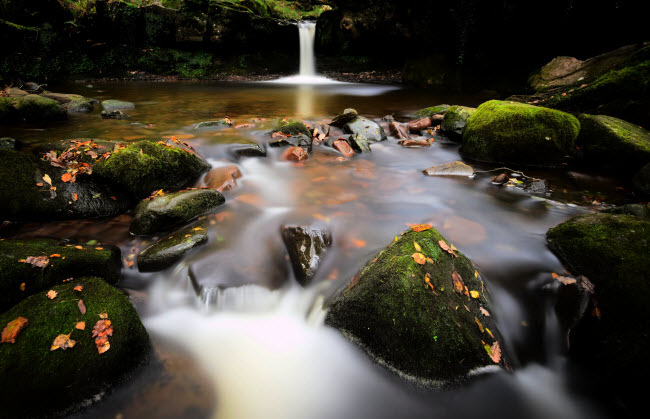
[(234, 305)]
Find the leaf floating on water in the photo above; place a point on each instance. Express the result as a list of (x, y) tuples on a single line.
[(82, 306), (444, 246), (39, 261), (63, 341), (417, 247), (474, 294), (51, 294), (485, 312), (420, 227), (12, 329), (419, 258), (459, 285)]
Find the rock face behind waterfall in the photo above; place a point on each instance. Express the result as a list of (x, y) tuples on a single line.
[(420, 310)]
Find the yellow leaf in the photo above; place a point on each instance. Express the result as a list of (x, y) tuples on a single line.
[(419, 258), (417, 247), (475, 274), (47, 179), (63, 341), (474, 294)]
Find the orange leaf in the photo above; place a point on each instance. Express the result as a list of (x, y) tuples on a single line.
[(22, 286), (81, 325), (427, 279), (102, 315), (63, 341), (66, 177), (358, 243), (82, 306), (444, 246), (495, 354), (55, 255), (78, 247), (459, 286), (421, 227), (474, 294), (51, 294), (78, 288), (13, 328), (75, 196), (480, 326), (419, 258)]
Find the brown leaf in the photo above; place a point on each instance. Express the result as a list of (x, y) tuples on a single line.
[(587, 284), (459, 285), (12, 329), (39, 261), (420, 227), (80, 325), (82, 306), (102, 330), (419, 258), (480, 326), (444, 246), (495, 354), (485, 312), (51, 294), (63, 341)]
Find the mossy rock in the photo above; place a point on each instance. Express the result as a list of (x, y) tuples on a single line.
[(611, 142), (613, 251), (35, 108), (371, 130), (146, 166), (292, 127), (163, 213), (428, 334), (115, 105), (170, 249), (431, 111), (36, 380), (641, 180), (455, 120), (7, 143), (79, 106), (105, 262), (8, 112), (359, 143), (509, 132), (25, 200), (637, 210)]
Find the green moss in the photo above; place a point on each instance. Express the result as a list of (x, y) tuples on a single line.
[(425, 333), (88, 261), (611, 142), (170, 249), (455, 120), (510, 132), (168, 211), (146, 166), (432, 110), (57, 379), (35, 108), (292, 127)]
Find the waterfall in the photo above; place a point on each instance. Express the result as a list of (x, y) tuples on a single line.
[(307, 34)]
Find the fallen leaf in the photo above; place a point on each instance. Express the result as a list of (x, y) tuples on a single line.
[(102, 315), (565, 280), (495, 354), (39, 261), (22, 286), (480, 326), (489, 333), (80, 325), (456, 279), (444, 246), (359, 243), (47, 179), (421, 227), (55, 255), (82, 306), (417, 247), (75, 196), (78, 247), (63, 341), (596, 312), (66, 177), (474, 294), (476, 275), (419, 258), (12, 329), (587, 284), (101, 331), (485, 312), (78, 288), (99, 248), (427, 280), (51, 294)]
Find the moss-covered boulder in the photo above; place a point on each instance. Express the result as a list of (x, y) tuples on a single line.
[(170, 249), (163, 213), (509, 132), (292, 127), (455, 120), (613, 251), (364, 126), (26, 195), (359, 143), (32, 109), (115, 105), (420, 310), (641, 180), (637, 210), (36, 379), (146, 166), (8, 112), (611, 142), (431, 111), (56, 261)]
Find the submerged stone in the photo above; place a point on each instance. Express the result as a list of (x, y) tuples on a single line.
[(455, 120), (369, 129), (420, 311), (60, 259), (113, 115), (247, 150), (79, 106), (61, 378), (113, 105), (170, 249), (510, 132), (163, 213), (456, 168), (306, 245)]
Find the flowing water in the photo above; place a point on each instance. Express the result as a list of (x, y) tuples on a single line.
[(239, 338)]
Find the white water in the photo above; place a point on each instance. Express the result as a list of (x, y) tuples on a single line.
[(307, 74)]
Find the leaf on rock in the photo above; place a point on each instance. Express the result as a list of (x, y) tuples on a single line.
[(47, 179), (419, 258), (13, 328), (587, 284), (421, 227), (103, 315), (78, 288), (495, 352), (485, 312), (80, 325), (102, 330), (82, 306), (66, 177), (51, 294), (474, 294), (63, 341), (459, 285), (444, 246), (480, 326), (427, 279), (566, 280), (417, 247), (39, 261)]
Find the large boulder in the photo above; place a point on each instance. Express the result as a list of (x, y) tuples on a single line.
[(32, 368), (420, 309), (611, 142), (455, 120), (369, 129), (165, 212), (28, 266), (510, 132), (613, 252), (170, 249), (146, 166), (32, 109)]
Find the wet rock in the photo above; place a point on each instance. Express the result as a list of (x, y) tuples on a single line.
[(418, 142), (306, 245), (416, 126), (292, 127), (16, 92), (510, 132), (295, 154), (431, 111), (222, 178), (79, 106), (113, 115), (27, 197), (320, 131), (641, 180), (359, 143), (436, 119), (299, 140), (500, 179), (536, 187), (163, 213), (145, 166), (33, 87), (606, 141), (248, 150), (7, 143), (456, 168), (398, 130), (343, 147), (207, 125), (31, 108), (454, 122), (8, 112), (170, 249), (388, 118), (369, 129), (103, 261), (392, 312), (613, 252), (345, 117), (63, 378), (637, 210), (113, 105)]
